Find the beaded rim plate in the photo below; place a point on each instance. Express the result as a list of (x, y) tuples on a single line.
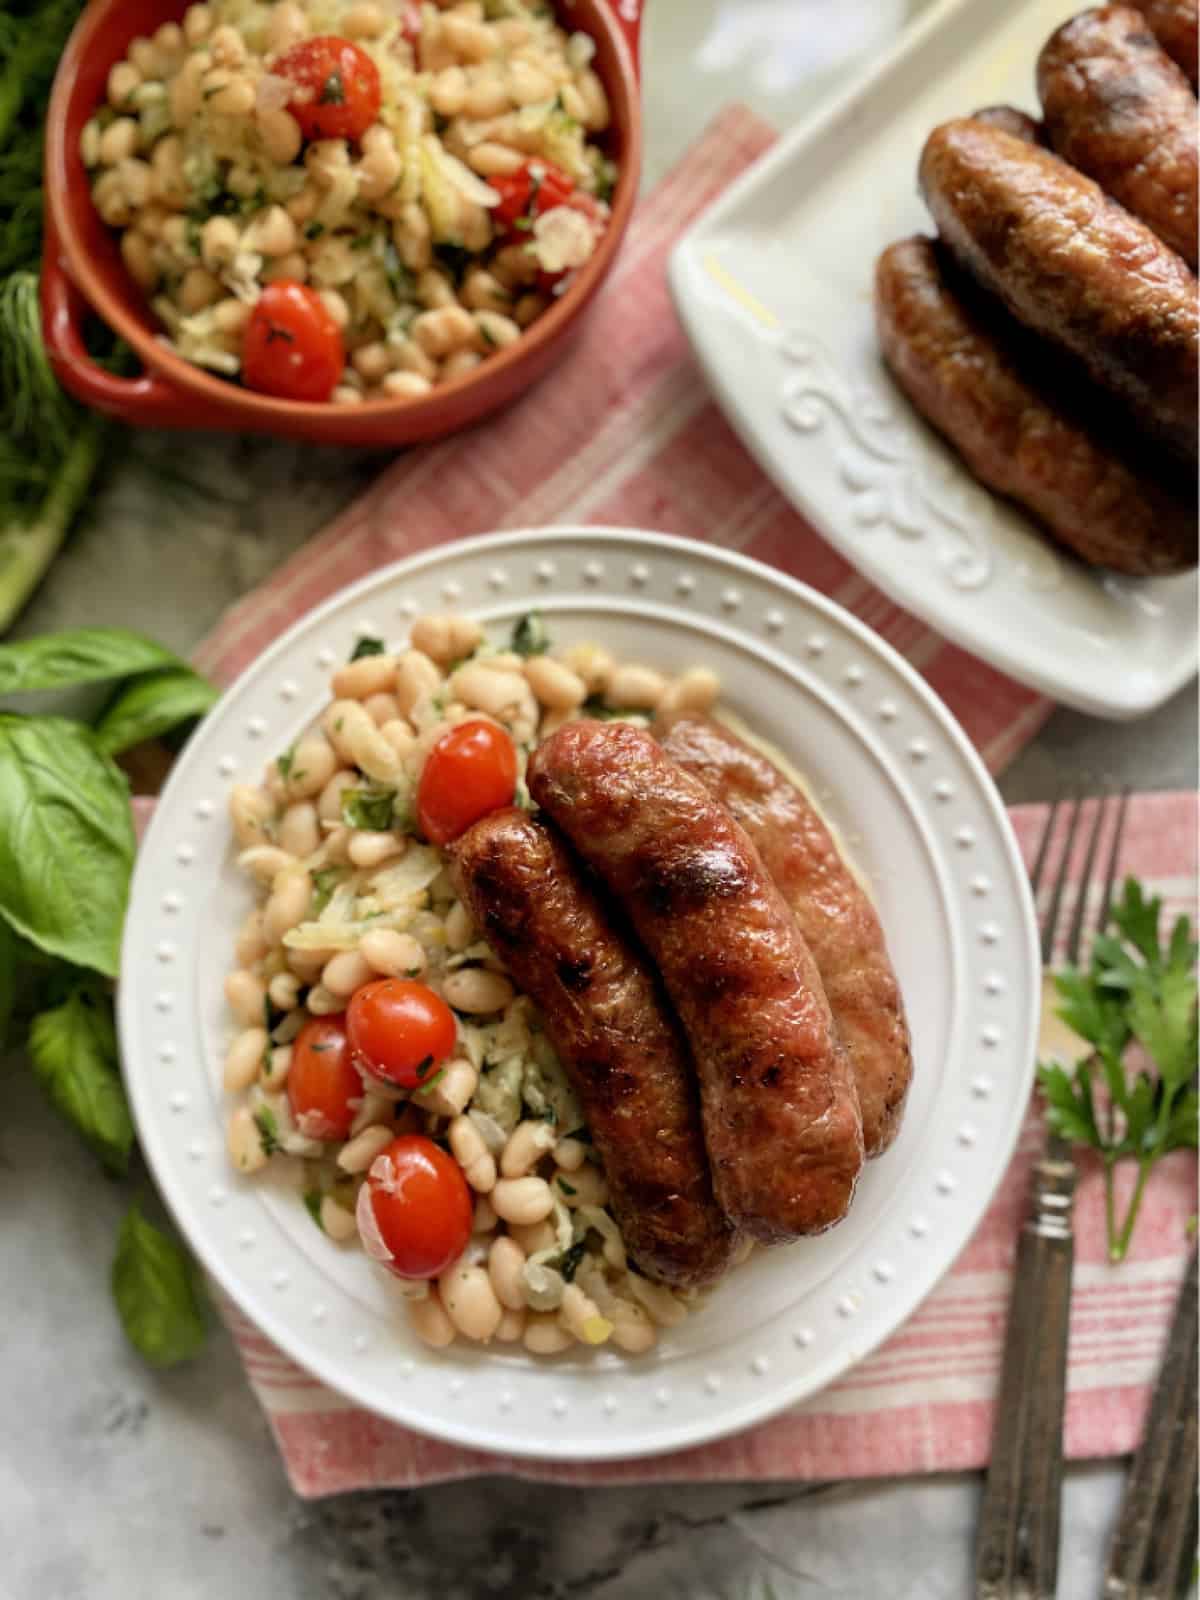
[(917, 811)]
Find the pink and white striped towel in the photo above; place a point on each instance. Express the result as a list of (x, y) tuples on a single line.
[(625, 433)]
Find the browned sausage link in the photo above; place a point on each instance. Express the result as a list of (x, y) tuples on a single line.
[(608, 1019), (1175, 24), (835, 914), (1019, 123), (956, 361), (1118, 108), (781, 1116), (1073, 266)]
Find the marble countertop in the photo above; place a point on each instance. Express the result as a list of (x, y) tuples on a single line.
[(117, 1483)]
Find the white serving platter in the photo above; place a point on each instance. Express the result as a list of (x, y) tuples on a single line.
[(773, 286)]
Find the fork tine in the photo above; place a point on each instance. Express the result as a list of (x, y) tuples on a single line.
[(1075, 934), (1035, 872), (1114, 857), (1050, 926)]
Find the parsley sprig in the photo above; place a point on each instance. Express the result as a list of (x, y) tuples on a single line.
[(1136, 992)]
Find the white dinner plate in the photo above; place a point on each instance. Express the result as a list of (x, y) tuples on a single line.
[(921, 818), (773, 285)]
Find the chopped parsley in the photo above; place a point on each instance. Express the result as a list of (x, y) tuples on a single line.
[(568, 1262), (371, 810), (424, 1083), (286, 762), (529, 636), (400, 279), (314, 230), (312, 1204), (567, 1188), (324, 883), (366, 646), (268, 1129), (595, 708)]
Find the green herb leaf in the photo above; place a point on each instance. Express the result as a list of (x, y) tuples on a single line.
[(595, 708), (74, 1053), (566, 1187), (371, 810), (151, 706), (366, 646), (268, 1127), (529, 636), (157, 1290), (568, 1262), (78, 655), (312, 1204), (325, 881), (66, 840)]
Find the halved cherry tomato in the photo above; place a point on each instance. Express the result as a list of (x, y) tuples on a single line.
[(399, 1031), (324, 1089), (470, 771), (292, 346), (415, 1210), (536, 187), (338, 93)]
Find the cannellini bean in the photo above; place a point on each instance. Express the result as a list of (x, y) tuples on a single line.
[(694, 690), (409, 357), (170, 43), (429, 1321), (276, 1064), (511, 1327), (581, 1316), (573, 102), (459, 364), (476, 991), (358, 1153), (250, 945), (492, 160), (556, 686), (369, 849), (288, 904), (307, 964), (497, 331), (139, 260), (552, 721), (337, 1222), (266, 862), (372, 362), (514, 266), (503, 695), (452, 1092), (439, 333), (446, 637), (472, 1155), (185, 96), (584, 1187), (570, 1154), (400, 736), (286, 25), (329, 805), (227, 46), (528, 309), (137, 179), (123, 79), (382, 708), (322, 1003), (486, 96), (435, 291), (527, 85), (533, 1237), (119, 140), (470, 39), (632, 1329), (591, 662), (657, 1299), (244, 1142), (348, 971), (293, 265), (244, 1058), (527, 1144), (640, 688), (236, 99), (470, 1301), (392, 954), (299, 828), (198, 289), (406, 386), (246, 995), (364, 21), (284, 991), (545, 1334), (197, 21), (219, 242), (281, 140), (111, 201), (522, 1200), (411, 233), (506, 1260), (460, 929), (357, 740), (272, 233), (595, 116), (484, 1219), (89, 143), (378, 171), (416, 677), (374, 1108), (482, 292), (448, 92)]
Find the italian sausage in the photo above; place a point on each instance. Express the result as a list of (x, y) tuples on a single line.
[(834, 912), (1019, 123), (958, 361), (608, 1019), (1118, 108), (1175, 24), (781, 1118), (1074, 267)]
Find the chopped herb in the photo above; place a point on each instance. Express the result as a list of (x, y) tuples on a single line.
[(271, 1017), (595, 708), (566, 1187), (413, 972), (268, 1128), (523, 224), (333, 90), (606, 180), (425, 1084), (312, 1204), (487, 336), (366, 646), (362, 241), (369, 810), (529, 636), (324, 883), (314, 230), (400, 279), (568, 1262), (285, 763)]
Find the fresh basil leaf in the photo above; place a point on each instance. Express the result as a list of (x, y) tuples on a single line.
[(157, 1290), (66, 840), (366, 646), (370, 810), (78, 655), (152, 705), (529, 636), (268, 1129), (74, 1054)]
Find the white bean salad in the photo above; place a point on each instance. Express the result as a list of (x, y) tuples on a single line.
[(382, 1052), (352, 199)]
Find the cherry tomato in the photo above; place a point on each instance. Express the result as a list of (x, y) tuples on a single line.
[(415, 1210), (324, 1088), (470, 771), (292, 346), (338, 93), (399, 1031), (536, 187)]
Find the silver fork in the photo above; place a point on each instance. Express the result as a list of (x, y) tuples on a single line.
[(1016, 1555)]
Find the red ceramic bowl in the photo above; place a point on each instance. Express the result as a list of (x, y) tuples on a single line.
[(82, 266)]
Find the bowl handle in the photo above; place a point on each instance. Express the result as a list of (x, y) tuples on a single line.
[(628, 14), (145, 401)]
